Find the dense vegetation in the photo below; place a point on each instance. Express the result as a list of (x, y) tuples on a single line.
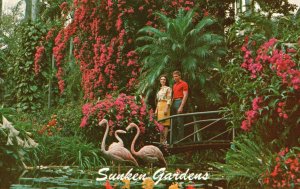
[(77, 62)]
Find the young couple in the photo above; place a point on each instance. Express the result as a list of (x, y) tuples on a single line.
[(171, 101)]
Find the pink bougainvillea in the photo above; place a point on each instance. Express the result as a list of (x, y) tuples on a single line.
[(103, 34), (120, 112), (265, 64), (252, 115), (267, 55)]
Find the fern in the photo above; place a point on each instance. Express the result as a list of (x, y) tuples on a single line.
[(246, 161)]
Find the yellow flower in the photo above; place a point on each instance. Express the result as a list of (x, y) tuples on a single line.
[(126, 184), (148, 183), (174, 186)]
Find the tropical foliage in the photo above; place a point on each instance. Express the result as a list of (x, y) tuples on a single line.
[(98, 49), (245, 161), (262, 81), (25, 92), (184, 44)]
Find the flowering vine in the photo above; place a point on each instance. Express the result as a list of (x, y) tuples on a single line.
[(103, 34)]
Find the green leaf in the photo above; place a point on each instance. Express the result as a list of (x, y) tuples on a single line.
[(202, 79), (33, 88)]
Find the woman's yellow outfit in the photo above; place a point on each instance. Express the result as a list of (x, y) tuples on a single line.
[(164, 99)]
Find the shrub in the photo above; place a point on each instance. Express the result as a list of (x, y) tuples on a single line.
[(285, 171), (267, 90), (58, 150), (120, 112)]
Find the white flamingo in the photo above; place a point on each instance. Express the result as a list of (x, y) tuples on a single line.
[(149, 153)]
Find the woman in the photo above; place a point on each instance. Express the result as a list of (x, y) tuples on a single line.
[(163, 107)]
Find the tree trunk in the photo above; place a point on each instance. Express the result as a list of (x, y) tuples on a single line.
[(249, 6), (34, 10), (0, 10), (28, 9)]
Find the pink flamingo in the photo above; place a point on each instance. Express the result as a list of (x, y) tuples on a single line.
[(120, 142), (148, 153), (117, 152)]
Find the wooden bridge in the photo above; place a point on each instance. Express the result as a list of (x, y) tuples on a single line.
[(203, 130)]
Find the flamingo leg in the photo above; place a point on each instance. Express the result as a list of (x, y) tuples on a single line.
[(119, 168), (112, 166), (151, 168)]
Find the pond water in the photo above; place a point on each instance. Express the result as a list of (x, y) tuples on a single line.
[(74, 178)]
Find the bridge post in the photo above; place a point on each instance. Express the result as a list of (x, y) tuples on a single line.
[(171, 132)]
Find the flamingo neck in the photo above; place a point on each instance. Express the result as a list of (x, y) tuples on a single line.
[(135, 138), (118, 138), (104, 139)]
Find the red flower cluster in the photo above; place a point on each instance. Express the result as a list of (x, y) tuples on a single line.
[(59, 50), (51, 127), (65, 8), (266, 55), (50, 34), (267, 63), (103, 34), (190, 187), (284, 66), (108, 185), (252, 115), (281, 110), (254, 65), (37, 58), (120, 112), (286, 172)]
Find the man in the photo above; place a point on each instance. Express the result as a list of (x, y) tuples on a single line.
[(180, 95)]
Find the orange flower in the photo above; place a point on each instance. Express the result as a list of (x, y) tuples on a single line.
[(126, 184), (148, 183), (52, 122), (174, 186)]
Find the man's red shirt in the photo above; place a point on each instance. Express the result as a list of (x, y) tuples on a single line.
[(178, 89)]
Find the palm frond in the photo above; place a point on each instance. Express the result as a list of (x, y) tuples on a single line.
[(146, 38), (203, 51), (206, 21), (179, 45), (163, 18), (151, 30), (189, 66)]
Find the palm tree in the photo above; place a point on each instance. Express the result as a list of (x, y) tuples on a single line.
[(181, 44), (0, 9)]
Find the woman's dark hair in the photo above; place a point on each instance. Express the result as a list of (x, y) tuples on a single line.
[(165, 76)]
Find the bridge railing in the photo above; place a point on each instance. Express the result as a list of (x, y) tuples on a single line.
[(196, 130)]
